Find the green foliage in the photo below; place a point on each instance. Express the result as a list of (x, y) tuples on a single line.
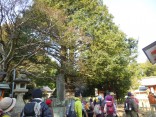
[(41, 70), (147, 69), (105, 53), (107, 60), (82, 37), (28, 43)]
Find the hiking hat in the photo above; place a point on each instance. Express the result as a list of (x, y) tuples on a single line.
[(112, 93), (109, 98), (129, 94), (7, 104), (37, 93)]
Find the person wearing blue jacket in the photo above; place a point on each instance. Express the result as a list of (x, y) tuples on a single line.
[(36, 107)]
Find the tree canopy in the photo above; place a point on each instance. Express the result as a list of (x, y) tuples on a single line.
[(79, 35)]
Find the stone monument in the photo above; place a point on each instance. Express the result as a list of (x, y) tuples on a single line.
[(59, 102), (20, 89)]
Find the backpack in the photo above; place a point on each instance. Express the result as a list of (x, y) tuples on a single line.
[(110, 108), (128, 105), (70, 111), (97, 109), (32, 109)]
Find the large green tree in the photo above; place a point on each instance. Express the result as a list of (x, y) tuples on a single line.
[(147, 69), (104, 52), (79, 34), (108, 54), (27, 35)]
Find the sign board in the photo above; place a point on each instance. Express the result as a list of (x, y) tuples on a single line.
[(150, 52)]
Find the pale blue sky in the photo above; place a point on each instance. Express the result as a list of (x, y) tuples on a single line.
[(137, 18)]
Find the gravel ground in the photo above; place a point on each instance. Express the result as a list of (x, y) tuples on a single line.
[(143, 112)]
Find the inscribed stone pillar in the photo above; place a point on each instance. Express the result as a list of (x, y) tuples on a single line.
[(60, 87)]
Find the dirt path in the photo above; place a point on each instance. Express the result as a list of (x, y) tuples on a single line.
[(142, 112)]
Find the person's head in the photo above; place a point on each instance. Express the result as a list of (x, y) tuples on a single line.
[(107, 92), (91, 100), (109, 98), (112, 94), (129, 94), (7, 104), (132, 95), (37, 93), (78, 94), (100, 98), (49, 102)]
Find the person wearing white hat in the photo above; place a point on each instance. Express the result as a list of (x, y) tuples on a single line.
[(6, 105), (113, 96), (112, 93)]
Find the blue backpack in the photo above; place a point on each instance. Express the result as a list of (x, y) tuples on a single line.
[(70, 112)]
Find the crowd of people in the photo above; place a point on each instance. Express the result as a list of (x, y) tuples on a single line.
[(95, 107), (35, 108), (98, 107), (106, 107)]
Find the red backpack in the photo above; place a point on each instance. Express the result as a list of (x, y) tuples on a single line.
[(110, 108)]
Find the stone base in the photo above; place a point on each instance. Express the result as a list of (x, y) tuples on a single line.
[(59, 111)]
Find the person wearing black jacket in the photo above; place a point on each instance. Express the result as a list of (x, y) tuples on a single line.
[(130, 106), (36, 107)]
